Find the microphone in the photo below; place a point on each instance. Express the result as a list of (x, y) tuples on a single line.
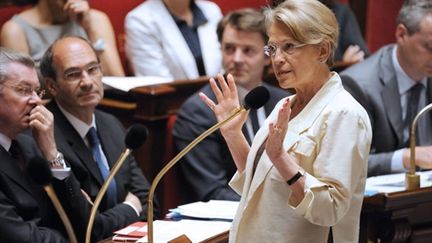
[(135, 137), (412, 180), (256, 98), (40, 172)]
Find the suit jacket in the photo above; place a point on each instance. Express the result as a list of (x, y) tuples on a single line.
[(128, 179), (373, 83), (156, 47), (330, 139), (349, 30), (26, 213), (207, 168)]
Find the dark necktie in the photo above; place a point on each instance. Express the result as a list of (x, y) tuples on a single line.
[(254, 120), (16, 153), (412, 106), (97, 155)]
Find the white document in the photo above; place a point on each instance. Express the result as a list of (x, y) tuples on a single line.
[(213, 209), (195, 230), (127, 83), (394, 182)]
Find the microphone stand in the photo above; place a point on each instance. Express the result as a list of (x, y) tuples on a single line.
[(69, 229), (102, 191), (173, 162), (412, 180)]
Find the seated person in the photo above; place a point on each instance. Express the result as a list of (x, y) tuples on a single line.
[(393, 85), (34, 30), (91, 140), (27, 131), (173, 38), (207, 169)]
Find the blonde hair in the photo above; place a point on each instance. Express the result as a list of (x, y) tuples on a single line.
[(308, 21)]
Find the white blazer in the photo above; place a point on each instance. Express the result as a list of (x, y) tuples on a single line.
[(155, 46), (331, 139)]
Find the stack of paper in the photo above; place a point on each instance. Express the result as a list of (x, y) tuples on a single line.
[(213, 209), (394, 182), (127, 83), (131, 233), (195, 230)]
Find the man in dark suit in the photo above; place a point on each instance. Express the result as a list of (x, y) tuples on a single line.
[(391, 81), (207, 169), (27, 131), (91, 140)]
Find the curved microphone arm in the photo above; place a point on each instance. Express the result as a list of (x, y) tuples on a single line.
[(412, 180), (102, 191), (69, 229), (173, 162)]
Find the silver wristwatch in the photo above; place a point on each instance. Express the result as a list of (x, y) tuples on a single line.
[(58, 162)]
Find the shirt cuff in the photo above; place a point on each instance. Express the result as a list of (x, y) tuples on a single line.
[(61, 174), (397, 162), (133, 207)]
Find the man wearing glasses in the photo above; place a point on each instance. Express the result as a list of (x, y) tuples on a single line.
[(207, 169), (91, 140), (27, 131), (393, 85)]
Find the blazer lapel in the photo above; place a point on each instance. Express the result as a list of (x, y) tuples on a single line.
[(210, 49), (74, 140), (297, 126), (12, 170), (172, 36), (391, 98)]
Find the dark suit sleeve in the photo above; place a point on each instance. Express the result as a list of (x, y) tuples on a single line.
[(78, 209), (378, 162), (350, 33), (208, 167), (140, 187), (13, 228)]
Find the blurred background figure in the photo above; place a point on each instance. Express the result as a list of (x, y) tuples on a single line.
[(394, 84), (207, 169), (33, 30), (351, 46), (174, 39)]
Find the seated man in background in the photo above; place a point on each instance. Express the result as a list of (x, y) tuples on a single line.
[(393, 85), (27, 131), (91, 140), (173, 38), (35, 29), (208, 167)]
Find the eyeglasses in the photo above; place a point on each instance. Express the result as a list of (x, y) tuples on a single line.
[(26, 91), (287, 48), (76, 74)]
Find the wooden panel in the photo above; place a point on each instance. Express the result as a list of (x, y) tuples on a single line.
[(397, 217), (381, 22)]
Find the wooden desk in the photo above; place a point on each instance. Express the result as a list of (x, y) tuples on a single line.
[(397, 217)]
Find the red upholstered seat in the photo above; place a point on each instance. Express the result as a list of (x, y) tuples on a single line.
[(170, 183), (381, 22)]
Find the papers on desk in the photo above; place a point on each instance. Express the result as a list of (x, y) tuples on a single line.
[(127, 83), (195, 230), (211, 210), (394, 182), (131, 233)]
